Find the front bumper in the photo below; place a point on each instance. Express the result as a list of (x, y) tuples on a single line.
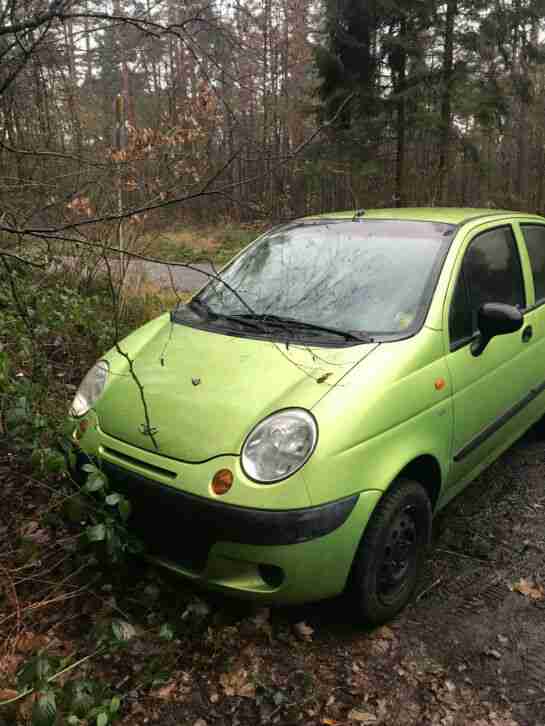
[(269, 554), (242, 549)]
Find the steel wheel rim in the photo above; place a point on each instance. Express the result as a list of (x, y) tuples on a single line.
[(399, 555)]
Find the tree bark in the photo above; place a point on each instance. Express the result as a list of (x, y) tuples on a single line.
[(446, 102)]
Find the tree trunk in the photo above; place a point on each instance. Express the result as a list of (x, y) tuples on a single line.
[(446, 101)]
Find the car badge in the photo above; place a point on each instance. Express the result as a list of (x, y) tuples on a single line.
[(148, 430), (196, 381)]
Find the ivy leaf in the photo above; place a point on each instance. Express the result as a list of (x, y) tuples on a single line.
[(89, 468), (95, 482), (166, 632), (44, 711), (54, 461), (97, 533), (82, 697), (113, 499), (102, 719), (115, 704), (122, 630), (35, 671)]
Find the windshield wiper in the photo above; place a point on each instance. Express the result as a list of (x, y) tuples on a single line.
[(199, 306), (203, 308), (260, 321), (286, 322)]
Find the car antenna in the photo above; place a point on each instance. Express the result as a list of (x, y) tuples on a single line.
[(357, 214)]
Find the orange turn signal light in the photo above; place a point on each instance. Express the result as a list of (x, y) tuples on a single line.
[(222, 481)]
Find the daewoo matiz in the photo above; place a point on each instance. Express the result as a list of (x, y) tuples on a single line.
[(309, 410)]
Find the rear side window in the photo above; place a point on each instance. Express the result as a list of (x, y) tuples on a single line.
[(534, 236), (491, 272)]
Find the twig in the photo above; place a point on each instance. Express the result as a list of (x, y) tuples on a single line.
[(467, 557), (53, 677), (428, 589), (127, 357), (205, 191), (15, 597), (45, 603)]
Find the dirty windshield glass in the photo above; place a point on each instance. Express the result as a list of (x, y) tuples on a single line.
[(368, 275)]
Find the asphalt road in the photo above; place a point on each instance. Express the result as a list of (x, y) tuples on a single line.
[(184, 279)]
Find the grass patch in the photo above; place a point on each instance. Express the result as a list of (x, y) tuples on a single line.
[(191, 243)]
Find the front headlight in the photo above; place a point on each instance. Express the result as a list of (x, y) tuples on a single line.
[(90, 389), (279, 445)]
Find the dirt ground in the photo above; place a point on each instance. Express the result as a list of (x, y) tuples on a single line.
[(470, 649)]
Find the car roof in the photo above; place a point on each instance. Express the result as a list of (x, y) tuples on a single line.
[(448, 215)]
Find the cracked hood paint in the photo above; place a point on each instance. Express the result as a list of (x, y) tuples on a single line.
[(211, 388)]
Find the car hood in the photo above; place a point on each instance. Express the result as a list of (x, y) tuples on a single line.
[(204, 391)]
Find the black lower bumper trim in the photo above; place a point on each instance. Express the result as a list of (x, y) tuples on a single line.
[(178, 524)]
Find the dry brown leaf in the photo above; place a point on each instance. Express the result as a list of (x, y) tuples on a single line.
[(330, 722), (9, 665), (7, 693), (237, 684), (30, 642), (303, 631), (529, 589), (365, 717), (385, 633), (165, 693)]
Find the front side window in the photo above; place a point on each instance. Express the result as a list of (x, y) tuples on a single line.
[(534, 236), (491, 272), (367, 275)]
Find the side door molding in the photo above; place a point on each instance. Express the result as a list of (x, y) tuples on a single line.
[(496, 425)]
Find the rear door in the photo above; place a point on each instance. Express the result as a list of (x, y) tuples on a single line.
[(532, 235), (487, 388)]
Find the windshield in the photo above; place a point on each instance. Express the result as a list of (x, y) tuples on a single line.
[(374, 276)]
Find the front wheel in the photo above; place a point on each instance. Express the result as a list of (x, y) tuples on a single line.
[(389, 557)]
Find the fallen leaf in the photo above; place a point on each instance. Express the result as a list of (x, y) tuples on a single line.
[(330, 722), (385, 633), (197, 610), (529, 589), (165, 693), (237, 684), (30, 642), (303, 631), (493, 653), (7, 693), (365, 717)]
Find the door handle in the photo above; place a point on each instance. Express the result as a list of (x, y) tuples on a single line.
[(527, 334)]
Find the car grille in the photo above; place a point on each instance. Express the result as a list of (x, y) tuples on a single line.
[(160, 519)]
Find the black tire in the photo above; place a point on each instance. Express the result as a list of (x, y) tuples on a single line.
[(391, 552), (539, 428)]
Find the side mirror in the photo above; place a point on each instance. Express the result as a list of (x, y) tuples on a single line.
[(495, 319)]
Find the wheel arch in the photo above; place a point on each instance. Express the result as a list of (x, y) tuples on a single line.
[(426, 470)]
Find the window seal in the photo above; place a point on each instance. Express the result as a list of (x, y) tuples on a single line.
[(462, 342), (538, 303)]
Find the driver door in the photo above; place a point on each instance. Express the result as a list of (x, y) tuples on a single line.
[(488, 387)]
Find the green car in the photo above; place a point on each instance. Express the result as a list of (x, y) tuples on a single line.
[(289, 433)]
